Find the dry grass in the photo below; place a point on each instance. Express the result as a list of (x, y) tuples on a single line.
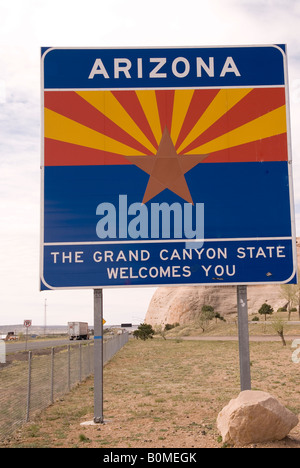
[(165, 394), (230, 327)]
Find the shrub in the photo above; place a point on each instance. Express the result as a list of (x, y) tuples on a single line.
[(143, 332), (169, 326), (278, 325), (265, 310)]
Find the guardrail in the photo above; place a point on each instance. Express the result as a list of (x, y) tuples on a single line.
[(32, 384)]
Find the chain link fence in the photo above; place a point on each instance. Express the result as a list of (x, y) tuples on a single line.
[(40, 377)]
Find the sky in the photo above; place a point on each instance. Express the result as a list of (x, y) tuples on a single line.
[(27, 25)]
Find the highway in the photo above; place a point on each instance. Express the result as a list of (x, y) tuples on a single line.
[(17, 346)]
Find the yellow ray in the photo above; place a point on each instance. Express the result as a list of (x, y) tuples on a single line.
[(223, 102), (106, 103), (270, 124), (148, 102), (182, 100), (58, 127)]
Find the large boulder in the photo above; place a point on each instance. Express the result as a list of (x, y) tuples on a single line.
[(183, 304), (254, 417)]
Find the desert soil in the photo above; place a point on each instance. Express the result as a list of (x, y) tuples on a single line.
[(165, 394)]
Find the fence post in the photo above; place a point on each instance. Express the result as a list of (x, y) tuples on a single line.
[(52, 376), (80, 362), (69, 367), (89, 359), (29, 385)]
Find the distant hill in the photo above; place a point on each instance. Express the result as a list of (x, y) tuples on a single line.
[(34, 329)]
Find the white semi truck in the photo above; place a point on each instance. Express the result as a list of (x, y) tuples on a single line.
[(78, 331)]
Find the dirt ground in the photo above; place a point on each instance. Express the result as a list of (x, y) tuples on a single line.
[(165, 394)]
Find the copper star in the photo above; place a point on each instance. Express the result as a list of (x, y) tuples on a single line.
[(167, 169)]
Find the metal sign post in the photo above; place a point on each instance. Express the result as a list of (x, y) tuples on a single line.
[(98, 356), (244, 351), (27, 324)]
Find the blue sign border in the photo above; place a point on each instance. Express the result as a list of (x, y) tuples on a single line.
[(69, 69)]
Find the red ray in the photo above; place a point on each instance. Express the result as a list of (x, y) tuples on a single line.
[(199, 103), (165, 103), (59, 153), (255, 104), (73, 106), (269, 149), (132, 105)]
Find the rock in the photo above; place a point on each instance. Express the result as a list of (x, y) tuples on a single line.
[(254, 417), (182, 304)]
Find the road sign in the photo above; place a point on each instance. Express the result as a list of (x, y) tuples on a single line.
[(166, 166), (27, 323)]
